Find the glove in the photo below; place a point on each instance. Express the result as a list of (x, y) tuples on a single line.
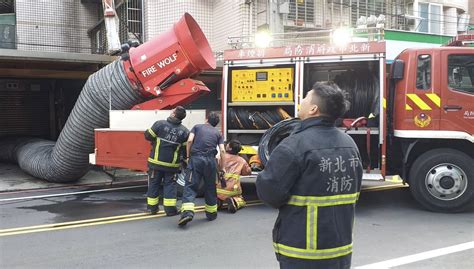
[(222, 179)]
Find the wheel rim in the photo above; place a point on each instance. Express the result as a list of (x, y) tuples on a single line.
[(446, 181)]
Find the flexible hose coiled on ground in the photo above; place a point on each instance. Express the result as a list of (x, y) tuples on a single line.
[(273, 136), (68, 159)]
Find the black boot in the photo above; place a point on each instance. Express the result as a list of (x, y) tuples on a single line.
[(186, 217), (231, 205), (171, 211), (152, 209), (211, 216)]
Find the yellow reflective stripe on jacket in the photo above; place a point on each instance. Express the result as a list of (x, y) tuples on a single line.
[(169, 202), (152, 201), (228, 193), (311, 227), (232, 175), (312, 203), (341, 199), (312, 254), (210, 208), (167, 164), (175, 165), (187, 207), (157, 149), (175, 156), (151, 132)]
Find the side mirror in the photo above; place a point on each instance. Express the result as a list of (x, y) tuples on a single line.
[(397, 70)]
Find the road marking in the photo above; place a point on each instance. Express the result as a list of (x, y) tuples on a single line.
[(93, 222), (419, 257), (69, 193)]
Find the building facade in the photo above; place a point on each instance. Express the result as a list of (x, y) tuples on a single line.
[(48, 48)]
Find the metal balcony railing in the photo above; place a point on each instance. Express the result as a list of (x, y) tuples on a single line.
[(309, 37), (130, 17)]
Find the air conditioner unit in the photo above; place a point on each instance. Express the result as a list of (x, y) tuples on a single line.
[(411, 20)]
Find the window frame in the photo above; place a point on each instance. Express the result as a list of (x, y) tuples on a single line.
[(471, 75), (418, 59), (440, 21)]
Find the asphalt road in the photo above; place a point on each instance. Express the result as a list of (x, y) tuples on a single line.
[(389, 225)]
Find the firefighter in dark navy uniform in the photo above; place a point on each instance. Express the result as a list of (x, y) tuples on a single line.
[(168, 145), (314, 178), (203, 142)]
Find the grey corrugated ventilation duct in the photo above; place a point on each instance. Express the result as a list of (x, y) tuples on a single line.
[(67, 159)]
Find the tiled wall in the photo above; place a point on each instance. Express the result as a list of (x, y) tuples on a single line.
[(160, 15), (54, 25), (217, 18)]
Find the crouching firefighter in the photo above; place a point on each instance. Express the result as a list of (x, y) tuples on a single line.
[(229, 189), (168, 139), (203, 142)]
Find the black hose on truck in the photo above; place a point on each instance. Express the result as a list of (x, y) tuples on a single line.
[(273, 136), (67, 160)]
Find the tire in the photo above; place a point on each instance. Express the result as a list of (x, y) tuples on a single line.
[(442, 180)]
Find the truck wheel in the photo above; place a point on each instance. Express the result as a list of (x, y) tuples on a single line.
[(442, 180)]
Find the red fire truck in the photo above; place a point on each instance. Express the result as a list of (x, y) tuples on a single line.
[(416, 120)]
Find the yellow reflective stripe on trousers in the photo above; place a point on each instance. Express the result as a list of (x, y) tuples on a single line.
[(152, 201), (312, 254), (232, 175), (151, 132), (228, 193), (187, 207), (210, 208), (169, 202), (341, 199)]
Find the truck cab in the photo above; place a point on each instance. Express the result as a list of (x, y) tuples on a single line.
[(433, 125)]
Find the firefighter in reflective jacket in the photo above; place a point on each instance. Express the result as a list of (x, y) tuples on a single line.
[(168, 140), (314, 177), (228, 185)]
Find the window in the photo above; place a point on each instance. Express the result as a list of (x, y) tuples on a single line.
[(431, 18), (7, 25), (301, 12), (424, 14), (423, 72), (461, 73)]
